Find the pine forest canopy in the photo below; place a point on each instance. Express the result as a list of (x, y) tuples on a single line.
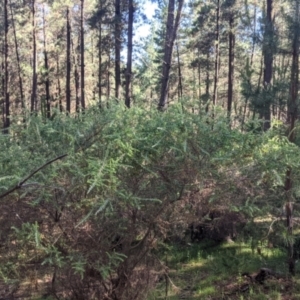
[(68, 55)]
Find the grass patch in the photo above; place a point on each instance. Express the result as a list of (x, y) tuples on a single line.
[(217, 271)]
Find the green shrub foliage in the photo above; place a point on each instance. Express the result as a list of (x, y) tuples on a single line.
[(93, 197)]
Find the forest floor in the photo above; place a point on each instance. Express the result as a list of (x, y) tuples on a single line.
[(227, 271)]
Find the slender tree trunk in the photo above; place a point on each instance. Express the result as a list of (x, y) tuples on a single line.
[(293, 112), (207, 82), (180, 89), (82, 66), (34, 63), (254, 38), (268, 65), (3, 88), (194, 84), (93, 67), (167, 52), (171, 33), (76, 77), (59, 96), (231, 64), (100, 62), (129, 55), (46, 65), (6, 93), (217, 46), (199, 76), (108, 78), (68, 71), (18, 59), (117, 48)]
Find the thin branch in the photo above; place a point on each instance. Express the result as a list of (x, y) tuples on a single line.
[(19, 185)]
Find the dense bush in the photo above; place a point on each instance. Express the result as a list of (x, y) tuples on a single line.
[(94, 197)]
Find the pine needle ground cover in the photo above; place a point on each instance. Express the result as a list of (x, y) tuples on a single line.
[(90, 202)]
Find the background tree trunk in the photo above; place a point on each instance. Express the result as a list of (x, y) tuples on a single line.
[(268, 65), (117, 48), (46, 66), (180, 88), (217, 47), (129, 55), (82, 62), (34, 58), (5, 90), (68, 71), (168, 51), (293, 111), (18, 59), (230, 64)]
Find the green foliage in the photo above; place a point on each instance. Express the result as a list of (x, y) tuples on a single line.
[(96, 193)]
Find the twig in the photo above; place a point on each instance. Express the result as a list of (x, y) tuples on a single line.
[(19, 185)]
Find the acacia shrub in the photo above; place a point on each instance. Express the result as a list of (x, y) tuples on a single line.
[(89, 224)]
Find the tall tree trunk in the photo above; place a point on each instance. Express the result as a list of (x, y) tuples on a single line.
[(117, 48), (93, 67), (129, 55), (293, 111), (180, 89), (76, 76), (100, 61), (207, 81), (82, 66), (18, 59), (34, 58), (171, 33), (59, 96), (254, 38), (199, 76), (108, 79), (230, 64), (68, 71), (268, 64), (47, 81), (3, 87), (5, 91), (217, 47)]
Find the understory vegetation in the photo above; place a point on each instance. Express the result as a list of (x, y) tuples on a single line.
[(140, 204)]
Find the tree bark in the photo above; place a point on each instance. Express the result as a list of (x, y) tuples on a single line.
[(293, 111), (68, 71), (34, 58), (108, 80), (199, 76), (128, 90), (180, 88), (117, 48), (46, 65), (230, 64), (59, 96), (100, 64), (76, 76), (171, 33), (82, 62), (18, 58), (5, 90), (265, 114), (207, 81), (217, 46)]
